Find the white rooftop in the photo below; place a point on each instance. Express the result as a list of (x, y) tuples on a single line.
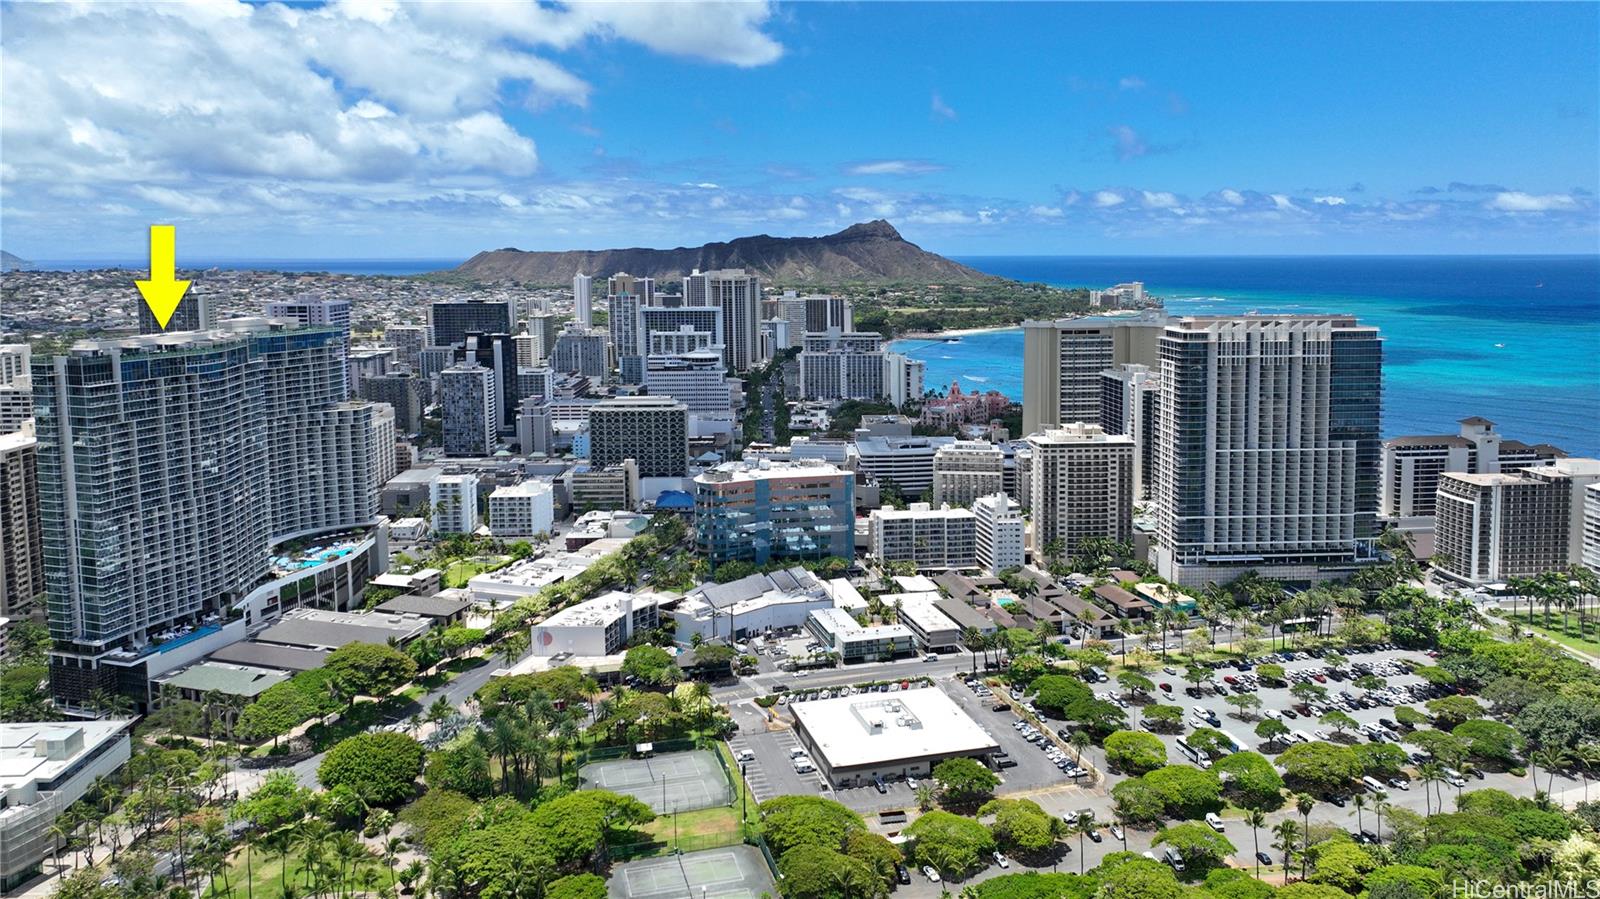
[(870, 728), (38, 752), (602, 610)]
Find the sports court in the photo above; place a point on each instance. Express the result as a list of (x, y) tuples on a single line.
[(735, 872), (673, 782)]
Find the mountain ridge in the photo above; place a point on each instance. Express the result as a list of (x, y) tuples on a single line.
[(871, 252)]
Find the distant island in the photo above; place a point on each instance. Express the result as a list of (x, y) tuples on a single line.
[(866, 253)]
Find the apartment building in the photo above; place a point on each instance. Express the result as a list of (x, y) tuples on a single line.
[(1082, 487), (932, 538), (1062, 361), (966, 470), (999, 533), (652, 430)]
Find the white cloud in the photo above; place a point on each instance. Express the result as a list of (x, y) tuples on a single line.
[(1046, 212), (940, 217), (941, 108), (1233, 197), (1517, 201), (1282, 201), (1108, 198), (1131, 83), (894, 167), (1159, 199), (1329, 201)]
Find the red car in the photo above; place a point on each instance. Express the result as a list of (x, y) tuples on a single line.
[(1166, 688), (1230, 679), (1319, 678)]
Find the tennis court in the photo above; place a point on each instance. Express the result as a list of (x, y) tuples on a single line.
[(674, 782), (736, 872)]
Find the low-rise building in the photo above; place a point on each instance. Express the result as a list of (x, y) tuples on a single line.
[(933, 630), (857, 739), (757, 604), (853, 641), (597, 627), (44, 768)]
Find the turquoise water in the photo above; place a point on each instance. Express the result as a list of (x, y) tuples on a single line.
[(1514, 339)]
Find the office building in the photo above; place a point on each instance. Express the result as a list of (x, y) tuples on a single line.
[(582, 300), (1269, 447), (966, 470), (581, 350), (194, 313), (1130, 398), (841, 634), (469, 395), (698, 380), (905, 461), (738, 294), (607, 488), (651, 430), (774, 510), (455, 503), (1082, 488), (859, 739), (1062, 361), (1411, 465), (405, 393), (241, 438), (522, 510), (450, 321), (46, 767), (21, 543), (921, 613), (408, 341), (1000, 533), (596, 627), (755, 604), (932, 538)]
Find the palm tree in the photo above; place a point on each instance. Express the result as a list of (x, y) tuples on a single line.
[(1084, 823), (1380, 804), (1255, 818), (1080, 741), (1287, 841), (925, 795), (1359, 800), (1304, 803), (1122, 825)]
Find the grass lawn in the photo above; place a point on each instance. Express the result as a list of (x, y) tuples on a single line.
[(1568, 637), (461, 571), (267, 870)]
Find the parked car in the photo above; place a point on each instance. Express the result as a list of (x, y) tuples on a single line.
[(1001, 860), (1263, 858), (902, 874), (928, 872)]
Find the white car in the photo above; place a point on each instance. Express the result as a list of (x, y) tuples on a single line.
[(745, 755), (1001, 860), (930, 873), (912, 782), (1214, 821)]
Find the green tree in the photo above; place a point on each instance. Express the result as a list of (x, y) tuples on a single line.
[(1272, 730), (875, 851), (1342, 864), (650, 664), (790, 821), (949, 843), (1197, 843), (463, 768), (380, 767), (1021, 826), (1449, 711), (1489, 741), (1139, 878), (1187, 792), (817, 872), (1251, 780), (368, 669), (1135, 752), (965, 780), (1319, 767), (577, 886)]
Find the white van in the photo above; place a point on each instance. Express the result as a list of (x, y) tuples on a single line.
[(1215, 821), (1301, 736), (1374, 784), (796, 753)]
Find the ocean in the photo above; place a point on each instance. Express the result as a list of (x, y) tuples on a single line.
[(1513, 339)]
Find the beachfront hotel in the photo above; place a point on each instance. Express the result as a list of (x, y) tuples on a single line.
[(1062, 361)]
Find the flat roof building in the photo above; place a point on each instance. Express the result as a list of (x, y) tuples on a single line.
[(774, 510), (44, 768), (854, 739), (933, 539), (930, 626), (841, 633), (597, 627), (323, 629)]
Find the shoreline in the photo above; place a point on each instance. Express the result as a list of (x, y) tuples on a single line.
[(954, 332)]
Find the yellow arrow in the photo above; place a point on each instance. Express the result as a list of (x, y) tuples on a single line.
[(162, 292)]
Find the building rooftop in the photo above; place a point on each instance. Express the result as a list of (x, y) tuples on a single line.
[(602, 610), (37, 752), (866, 729), (268, 655), (322, 629), (426, 606), (767, 468), (839, 622), (922, 610), (223, 677), (963, 615)]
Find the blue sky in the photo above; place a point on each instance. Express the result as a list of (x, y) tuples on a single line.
[(386, 130)]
